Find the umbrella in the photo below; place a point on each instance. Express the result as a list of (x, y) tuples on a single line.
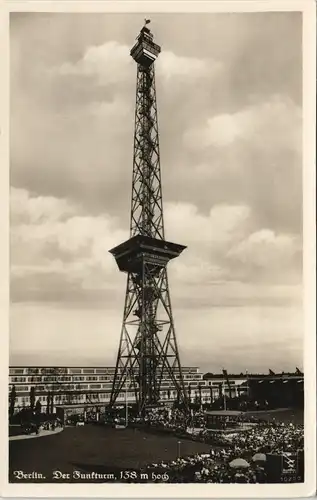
[(259, 457), (238, 463)]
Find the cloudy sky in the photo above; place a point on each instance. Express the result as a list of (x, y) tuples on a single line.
[(229, 97)]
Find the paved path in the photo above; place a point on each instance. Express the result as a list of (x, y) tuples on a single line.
[(41, 433)]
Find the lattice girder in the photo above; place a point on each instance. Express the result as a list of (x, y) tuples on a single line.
[(148, 348), (148, 354)]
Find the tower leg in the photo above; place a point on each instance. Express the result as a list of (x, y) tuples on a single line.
[(148, 356)]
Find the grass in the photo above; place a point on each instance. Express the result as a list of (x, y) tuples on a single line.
[(95, 448), (295, 416), (105, 450), (15, 430)]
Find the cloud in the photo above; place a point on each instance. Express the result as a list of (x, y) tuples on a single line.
[(269, 256), (242, 338), (171, 66), (224, 245), (79, 106), (245, 157), (222, 224), (264, 246), (229, 97), (109, 63), (60, 253), (277, 121), (36, 210), (208, 236)]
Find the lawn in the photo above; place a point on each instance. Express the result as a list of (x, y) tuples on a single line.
[(105, 450), (94, 449), (294, 416), (15, 430)]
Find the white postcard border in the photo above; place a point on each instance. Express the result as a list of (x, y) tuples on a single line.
[(308, 8)]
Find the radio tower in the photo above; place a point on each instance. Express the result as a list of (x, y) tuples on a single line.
[(148, 354)]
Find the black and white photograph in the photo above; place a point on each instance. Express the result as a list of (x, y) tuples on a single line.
[(157, 323)]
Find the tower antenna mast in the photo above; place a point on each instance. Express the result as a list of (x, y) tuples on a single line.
[(148, 358)]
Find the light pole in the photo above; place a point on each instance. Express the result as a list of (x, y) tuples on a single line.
[(224, 397), (126, 404), (179, 449)]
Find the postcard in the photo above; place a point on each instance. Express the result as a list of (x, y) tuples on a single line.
[(159, 212)]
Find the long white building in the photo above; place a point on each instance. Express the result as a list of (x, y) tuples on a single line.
[(89, 385)]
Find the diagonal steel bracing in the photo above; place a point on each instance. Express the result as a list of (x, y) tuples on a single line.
[(148, 359)]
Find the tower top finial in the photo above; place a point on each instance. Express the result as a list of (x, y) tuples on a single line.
[(147, 21)]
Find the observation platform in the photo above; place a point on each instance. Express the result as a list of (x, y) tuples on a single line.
[(133, 253), (145, 51)]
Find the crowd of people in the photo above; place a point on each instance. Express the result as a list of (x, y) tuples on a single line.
[(240, 457), (173, 418), (234, 456), (210, 468), (33, 426), (273, 438)]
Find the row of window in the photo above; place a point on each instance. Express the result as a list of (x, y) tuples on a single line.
[(58, 378), (103, 395), (64, 399), (61, 383), (71, 387), (83, 387), (60, 371), (78, 371), (61, 379), (121, 397)]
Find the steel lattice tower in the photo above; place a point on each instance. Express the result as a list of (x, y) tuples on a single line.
[(148, 353)]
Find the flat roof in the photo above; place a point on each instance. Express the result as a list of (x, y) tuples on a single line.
[(224, 413), (81, 405), (83, 367)]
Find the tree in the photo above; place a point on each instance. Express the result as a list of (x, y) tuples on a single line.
[(211, 398), (13, 397), (200, 395), (189, 393), (196, 398), (48, 403), (52, 404), (32, 397), (38, 407)]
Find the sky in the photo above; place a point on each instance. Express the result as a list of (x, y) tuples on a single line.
[(229, 92)]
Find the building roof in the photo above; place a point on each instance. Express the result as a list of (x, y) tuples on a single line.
[(252, 376), (80, 405), (93, 367), (224, 413)]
